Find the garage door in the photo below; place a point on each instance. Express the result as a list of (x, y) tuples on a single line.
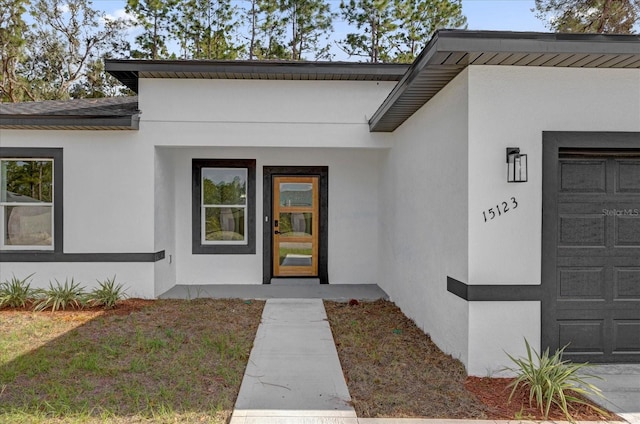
[(591, 297)]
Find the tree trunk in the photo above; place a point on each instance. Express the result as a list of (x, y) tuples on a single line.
[(603, 19), (294, 34), (154, 44), (252, 43)]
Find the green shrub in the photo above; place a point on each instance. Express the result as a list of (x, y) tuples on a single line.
[(552, 381), (107, 294), (16, 292), (60, 296)]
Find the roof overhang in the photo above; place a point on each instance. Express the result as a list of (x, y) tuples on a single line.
[(450, 51), (130, 71), (68, 123), (115, 113)]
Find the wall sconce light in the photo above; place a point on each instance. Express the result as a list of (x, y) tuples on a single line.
[(516, 166)]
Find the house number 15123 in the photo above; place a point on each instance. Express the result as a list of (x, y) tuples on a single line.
[(500, 209)]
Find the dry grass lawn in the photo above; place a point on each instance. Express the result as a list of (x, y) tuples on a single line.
[(157, 361)]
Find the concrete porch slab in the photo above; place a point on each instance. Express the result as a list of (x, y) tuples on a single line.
[(288, 289)]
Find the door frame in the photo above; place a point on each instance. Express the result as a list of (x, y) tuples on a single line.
[(268, 172), (552, 142)]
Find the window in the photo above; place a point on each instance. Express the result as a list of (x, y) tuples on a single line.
[(223, 206), (30, 205)]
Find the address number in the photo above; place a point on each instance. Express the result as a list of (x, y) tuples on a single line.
[(500, 209)]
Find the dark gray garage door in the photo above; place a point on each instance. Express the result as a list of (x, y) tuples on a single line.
[(591, 250)]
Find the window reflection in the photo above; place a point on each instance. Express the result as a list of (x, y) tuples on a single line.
[(296, 194), (224, 224), (26, 200), (296, 224)]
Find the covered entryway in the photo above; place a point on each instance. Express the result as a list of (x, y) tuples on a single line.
[(591, 246)]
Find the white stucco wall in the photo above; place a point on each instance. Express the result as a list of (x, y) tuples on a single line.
[(108, 206), (136, 277), (511, 107), (164, 220), (424, 217), (261, 113), (106, 179)]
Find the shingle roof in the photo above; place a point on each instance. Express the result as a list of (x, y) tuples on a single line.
[(103, 113)]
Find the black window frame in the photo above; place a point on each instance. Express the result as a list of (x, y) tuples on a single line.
[(196, 208), (56, 154)]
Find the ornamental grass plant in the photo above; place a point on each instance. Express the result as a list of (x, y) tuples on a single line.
[(15, 293), (107, 294), (552, 380), (69, 295)]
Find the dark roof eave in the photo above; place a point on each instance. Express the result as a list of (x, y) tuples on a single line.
[(129, 71), (70, 122), (468, 44)]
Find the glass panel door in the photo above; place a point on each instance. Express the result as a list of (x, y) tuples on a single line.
[(295, 226)]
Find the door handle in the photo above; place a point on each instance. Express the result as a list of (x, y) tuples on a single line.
[(276, 232)]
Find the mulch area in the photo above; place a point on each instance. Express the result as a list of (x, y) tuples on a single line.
[(123, 307), (494, 394)]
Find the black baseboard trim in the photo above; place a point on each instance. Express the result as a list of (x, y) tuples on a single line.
[(493, 293), (30, 256)]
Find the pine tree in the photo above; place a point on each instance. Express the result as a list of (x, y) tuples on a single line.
[(270, 37), (155, 17), (418, 20), (310, 23), (251, 16), (396, 30), (596, 16), (205, 29), (374, 20), (13, 30)]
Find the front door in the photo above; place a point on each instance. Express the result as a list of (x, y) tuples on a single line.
[(295, 226)]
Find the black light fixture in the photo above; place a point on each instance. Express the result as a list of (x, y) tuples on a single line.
[(516, 166)]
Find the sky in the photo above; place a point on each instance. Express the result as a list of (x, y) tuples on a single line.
[(509, 15), (504, 15)]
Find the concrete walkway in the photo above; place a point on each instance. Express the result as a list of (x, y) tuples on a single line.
[(294, 374), (620, 385)]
